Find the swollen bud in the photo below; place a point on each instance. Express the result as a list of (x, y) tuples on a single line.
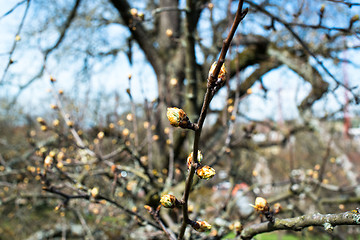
[(205, 172), (190, 159), (222, 73), (201, 226), (177, 117), (94, 192), (355, 18), (168, 201), (261, 205)]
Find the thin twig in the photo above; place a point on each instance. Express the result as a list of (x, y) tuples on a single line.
[(10, 61), (302, 43), (210, 91)]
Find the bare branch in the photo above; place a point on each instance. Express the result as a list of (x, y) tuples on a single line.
[(328, 221)]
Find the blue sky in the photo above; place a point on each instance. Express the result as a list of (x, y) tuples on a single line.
[(111, 77)]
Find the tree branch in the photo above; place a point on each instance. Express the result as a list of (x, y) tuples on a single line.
[(210, 91), (328, 221), (139, 33)]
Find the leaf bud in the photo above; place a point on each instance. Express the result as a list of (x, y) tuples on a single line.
[(261, 204), (94, 192), (355, 18), (177, 117), (190, 159), (168, 201), (205, 172), (222, 73), (201, 226)]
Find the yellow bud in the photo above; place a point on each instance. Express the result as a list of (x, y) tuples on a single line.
[(322, 8), (41, 121), (201, 226), (177, 117), (133, 12), (48, 161), (277, 208), (190, 159), (210, 6), (173, 81), (169, 32), (94, 192), (222, 73), (355, 18), (70, 123), (126, 132), (261, 204), (130, 117), (100, 135), (60, 164), (168, 201), (17, 38), (56, 122), (147, 207), (205, 172), (52, 154)]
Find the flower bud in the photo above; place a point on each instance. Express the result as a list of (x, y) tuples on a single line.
[(205, 172), (48, 161), (70, 123), (147, 207), (201, 226), (169, 33), (41, 120), (101, 135), (56, 122), (277, 208), (222, 73), (134, 12), (210, 6), (190, 159), (355, 18), (261, 204), (177, 117), (168, 201), (94, 192)]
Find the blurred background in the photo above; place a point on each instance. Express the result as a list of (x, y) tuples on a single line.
[(84, 139)]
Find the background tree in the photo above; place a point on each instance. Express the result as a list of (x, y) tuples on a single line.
[(101, 153)]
